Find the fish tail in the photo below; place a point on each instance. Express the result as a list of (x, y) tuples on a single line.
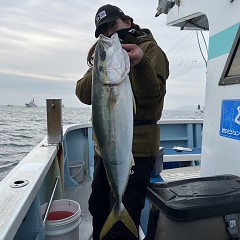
[(115, 216), (127, 220)]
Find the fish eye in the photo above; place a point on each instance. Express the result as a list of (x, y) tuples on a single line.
[(103, 55)]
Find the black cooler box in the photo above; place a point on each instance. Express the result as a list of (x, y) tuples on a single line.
[(195, 209)]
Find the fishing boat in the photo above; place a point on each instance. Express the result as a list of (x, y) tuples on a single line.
[(31, 104), (189, 148)]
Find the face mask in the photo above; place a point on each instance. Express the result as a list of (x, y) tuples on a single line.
[(125, 32)]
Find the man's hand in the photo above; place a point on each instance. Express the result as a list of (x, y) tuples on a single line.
[(135, 53)]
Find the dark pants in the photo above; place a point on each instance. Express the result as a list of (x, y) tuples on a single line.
[(133, 200)]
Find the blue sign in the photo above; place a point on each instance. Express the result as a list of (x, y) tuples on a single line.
[(230, 119)]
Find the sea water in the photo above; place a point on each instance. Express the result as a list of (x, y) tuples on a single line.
[(23, 128)]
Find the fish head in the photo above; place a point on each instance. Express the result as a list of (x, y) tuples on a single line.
[(111, 61)]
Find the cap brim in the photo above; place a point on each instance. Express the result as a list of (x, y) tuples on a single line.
[(98, 29)]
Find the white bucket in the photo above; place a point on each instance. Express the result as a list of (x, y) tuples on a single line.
[(76, 170), (63, 220)]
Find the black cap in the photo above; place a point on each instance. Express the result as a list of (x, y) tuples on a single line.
[(105, 14)]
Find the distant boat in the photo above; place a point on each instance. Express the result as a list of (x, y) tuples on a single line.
[(9, 105), (31, 104)]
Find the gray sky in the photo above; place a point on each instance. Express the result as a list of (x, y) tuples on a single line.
[(44, 43)]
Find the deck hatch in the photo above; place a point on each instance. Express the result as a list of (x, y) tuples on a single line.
[(231, 71)]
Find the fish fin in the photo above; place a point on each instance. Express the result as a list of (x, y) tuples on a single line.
[(96, 144), (132, 160), (127, 220), (113, 217), (134, 105)]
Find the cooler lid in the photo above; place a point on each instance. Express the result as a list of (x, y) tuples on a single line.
[(197, 198)]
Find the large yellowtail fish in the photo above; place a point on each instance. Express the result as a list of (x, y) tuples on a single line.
[(112, 118)]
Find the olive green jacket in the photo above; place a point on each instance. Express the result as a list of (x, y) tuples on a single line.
[(148, 80)]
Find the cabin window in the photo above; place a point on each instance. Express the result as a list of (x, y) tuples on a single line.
[(231, 71)]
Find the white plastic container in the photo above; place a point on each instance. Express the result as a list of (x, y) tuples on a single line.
[(76, 170), (63, 220)]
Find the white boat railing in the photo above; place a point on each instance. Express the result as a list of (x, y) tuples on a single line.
[(20, 188)]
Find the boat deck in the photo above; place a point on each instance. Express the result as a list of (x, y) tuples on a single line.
[(81, 195)]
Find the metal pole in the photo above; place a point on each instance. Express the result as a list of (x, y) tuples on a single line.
[(54, 121), (50, 201)]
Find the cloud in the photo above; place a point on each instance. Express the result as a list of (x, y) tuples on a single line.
[(43, 36), (35, 75), (45, 43), (187, 89), (18, 89)]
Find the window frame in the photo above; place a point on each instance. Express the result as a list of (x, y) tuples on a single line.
[(225, 79)]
